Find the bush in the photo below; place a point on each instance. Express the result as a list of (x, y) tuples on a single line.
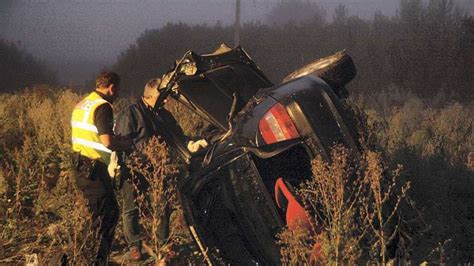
[(40, 211), (425, 47), (20, 69), (36, 190), (36, 147), (356, 202), (432, 140), (153, 163)]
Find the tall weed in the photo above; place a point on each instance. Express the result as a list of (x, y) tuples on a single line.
[(155, 163), (432, 140), (356, 202)]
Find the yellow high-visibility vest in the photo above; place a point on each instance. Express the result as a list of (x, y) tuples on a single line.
[(85, 137)]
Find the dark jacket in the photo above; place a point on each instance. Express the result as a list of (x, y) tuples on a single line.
[(140, 123)]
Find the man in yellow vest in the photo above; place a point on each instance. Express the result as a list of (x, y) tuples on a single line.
[(93, 141)]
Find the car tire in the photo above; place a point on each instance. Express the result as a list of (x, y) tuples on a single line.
[(337, 70)]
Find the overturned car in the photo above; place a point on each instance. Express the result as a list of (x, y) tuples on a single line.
[(239, 194)]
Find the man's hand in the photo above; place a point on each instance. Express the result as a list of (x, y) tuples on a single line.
[(113, 168), (195, 146)]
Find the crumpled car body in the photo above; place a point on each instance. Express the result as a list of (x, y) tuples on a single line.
[(266, 133)]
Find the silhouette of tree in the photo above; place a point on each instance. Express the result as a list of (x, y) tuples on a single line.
[(295, 11), (426, 47), (20, 69), (341, 15)]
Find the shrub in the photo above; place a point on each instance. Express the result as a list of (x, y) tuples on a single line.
[(20, 69), (153, 163), (432, 139), (192, 124), (36, 190), (79, 236), (36, 145), (39, 210), (35, 165), (356, 202)]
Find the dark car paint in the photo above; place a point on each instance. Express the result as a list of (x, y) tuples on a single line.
[(237, 185), (322, 109), (228, 202), (217, 78), (309, 102), (314, 108)]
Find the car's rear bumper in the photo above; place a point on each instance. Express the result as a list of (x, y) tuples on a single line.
[(318, 113)]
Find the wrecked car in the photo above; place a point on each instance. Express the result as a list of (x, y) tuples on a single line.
[(239, 195)]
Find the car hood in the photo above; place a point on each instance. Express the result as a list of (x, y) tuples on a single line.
[(213, 84)]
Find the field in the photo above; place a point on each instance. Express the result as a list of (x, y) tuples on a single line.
[(425, 145)]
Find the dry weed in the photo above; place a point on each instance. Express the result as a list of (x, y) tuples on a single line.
[(82, 234), (153, 163), (433, 140), (355, 201)]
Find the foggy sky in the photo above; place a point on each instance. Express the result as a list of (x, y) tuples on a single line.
[(78, 37)]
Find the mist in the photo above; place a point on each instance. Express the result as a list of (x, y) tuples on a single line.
[(76, 38)]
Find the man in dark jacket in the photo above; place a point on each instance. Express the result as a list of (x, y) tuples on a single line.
[(140, 121)]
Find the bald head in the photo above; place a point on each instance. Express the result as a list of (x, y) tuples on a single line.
[(151, 93), (151, 88)]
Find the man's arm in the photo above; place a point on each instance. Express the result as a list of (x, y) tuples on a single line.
[(173, 126), (126, 124), (103, 119), (116, 143), (177, 132)]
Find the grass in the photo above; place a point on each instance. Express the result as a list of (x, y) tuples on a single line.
[(432, 140), (357, 202), (39, 208), (153, 162)]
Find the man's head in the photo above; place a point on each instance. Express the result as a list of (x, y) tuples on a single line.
[(151, 93), (108, 83)]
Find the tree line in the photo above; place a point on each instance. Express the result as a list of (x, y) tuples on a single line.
[(19, 69), (426, 48)]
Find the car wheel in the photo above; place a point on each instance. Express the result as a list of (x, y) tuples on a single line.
[(337, 70)]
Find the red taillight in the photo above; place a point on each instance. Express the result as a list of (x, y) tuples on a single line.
[(276, 125)]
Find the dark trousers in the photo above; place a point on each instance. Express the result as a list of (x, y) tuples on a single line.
[(130, 212), (94, 182)]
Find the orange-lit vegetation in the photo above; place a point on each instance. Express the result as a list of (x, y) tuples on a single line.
[(409, 190), (154, 163), (40, 209), (431, 221), (423, 211), (357, 203)]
